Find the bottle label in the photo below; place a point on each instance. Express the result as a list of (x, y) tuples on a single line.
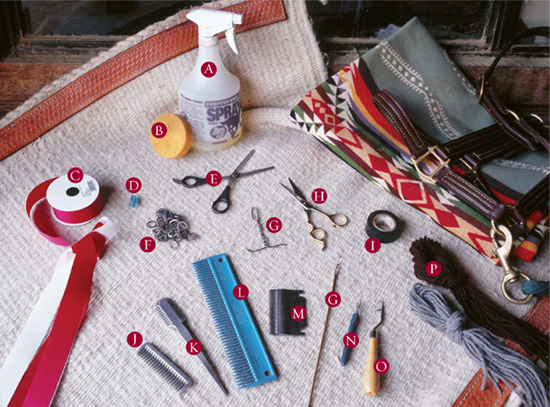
[(213, 121)]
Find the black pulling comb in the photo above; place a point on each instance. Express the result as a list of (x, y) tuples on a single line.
[(281, 303)]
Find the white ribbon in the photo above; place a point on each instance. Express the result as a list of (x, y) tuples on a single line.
[(41, 318)]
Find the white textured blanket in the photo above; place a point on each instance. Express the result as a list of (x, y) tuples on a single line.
[(109, 140)]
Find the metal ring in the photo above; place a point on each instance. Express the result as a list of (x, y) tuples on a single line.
[(151, 224), (504, 287), (162, 212), (155, 231), (536, 116), (174, 245), (162, 237), (481, 88), (496, 229), (192, 236), (182, 225), (177, 238), (516, 117)]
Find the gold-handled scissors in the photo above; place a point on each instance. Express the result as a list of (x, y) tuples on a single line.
[(318, 235)]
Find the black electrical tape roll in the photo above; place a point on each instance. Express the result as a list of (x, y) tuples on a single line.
[(384, 226)]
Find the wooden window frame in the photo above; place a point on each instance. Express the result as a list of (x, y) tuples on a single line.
[(41, 59)]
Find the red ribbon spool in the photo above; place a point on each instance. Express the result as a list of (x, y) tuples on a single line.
[(69, 203)]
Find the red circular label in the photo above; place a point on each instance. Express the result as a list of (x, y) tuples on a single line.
[(214, 178), (372, 245), (333, 299), (133, 185), (274, 225), (75, 175), (381, 366), (147, 244), (240, 292), (319, 195), (193, 347), (159, 130), (433, 268), (209, 69), (351, 340), (134, 339), (298, 313)]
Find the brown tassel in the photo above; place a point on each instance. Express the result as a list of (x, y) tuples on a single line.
[(477, 306)]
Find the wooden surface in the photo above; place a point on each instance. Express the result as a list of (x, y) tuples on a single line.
[(523, 80)]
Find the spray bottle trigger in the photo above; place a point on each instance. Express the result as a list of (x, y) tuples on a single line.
[(230, 35)]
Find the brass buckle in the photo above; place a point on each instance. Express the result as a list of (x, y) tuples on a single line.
[(471, 168), (481, 88), (429, 177)]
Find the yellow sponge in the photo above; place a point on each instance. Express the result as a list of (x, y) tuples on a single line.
[(177, 138)]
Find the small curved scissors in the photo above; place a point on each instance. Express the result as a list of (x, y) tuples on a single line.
[(318, 235)]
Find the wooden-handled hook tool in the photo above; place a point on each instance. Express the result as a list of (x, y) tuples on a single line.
[(371, 379)]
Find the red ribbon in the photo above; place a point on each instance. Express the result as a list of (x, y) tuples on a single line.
[(76, 217), (39, 384)]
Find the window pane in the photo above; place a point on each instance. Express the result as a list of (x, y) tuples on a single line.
[(533, 14), (97, 17), (365, 19)]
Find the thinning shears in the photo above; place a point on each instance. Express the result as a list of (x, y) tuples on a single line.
[(318, 235), (221, 205), (192, 182)]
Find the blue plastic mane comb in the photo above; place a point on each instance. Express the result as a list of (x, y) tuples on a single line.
[(241, 340)]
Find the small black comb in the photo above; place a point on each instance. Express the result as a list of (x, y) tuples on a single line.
[(281, 303)]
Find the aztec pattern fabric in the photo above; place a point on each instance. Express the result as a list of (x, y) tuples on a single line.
[(340, 113)]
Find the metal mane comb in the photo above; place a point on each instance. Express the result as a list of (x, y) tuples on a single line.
[(172, 374)]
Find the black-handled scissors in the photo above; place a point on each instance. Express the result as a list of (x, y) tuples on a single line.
[(221, 205), (192, 182)]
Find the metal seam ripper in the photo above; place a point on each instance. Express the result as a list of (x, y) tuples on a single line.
[(502, 252)]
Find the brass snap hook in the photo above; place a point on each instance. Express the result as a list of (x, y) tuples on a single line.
[(503, 252)]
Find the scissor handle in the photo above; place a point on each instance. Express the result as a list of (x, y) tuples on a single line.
[(190, 181), (319, 236), (221, 205), (337, 220)]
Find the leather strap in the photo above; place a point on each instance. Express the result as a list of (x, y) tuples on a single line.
[(454, 183), (456, 149), (530, 32), (470, 194), (395, 114), (532, 200), (121, 69), (513, 124), (473, 395)]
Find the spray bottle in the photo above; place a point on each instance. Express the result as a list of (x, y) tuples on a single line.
[(210, 95)]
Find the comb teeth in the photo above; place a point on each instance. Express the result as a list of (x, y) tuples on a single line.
[(163, 315), (169, 312), (234, 350), (172, 374)]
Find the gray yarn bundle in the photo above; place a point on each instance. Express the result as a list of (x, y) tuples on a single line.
[(497, 361)]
